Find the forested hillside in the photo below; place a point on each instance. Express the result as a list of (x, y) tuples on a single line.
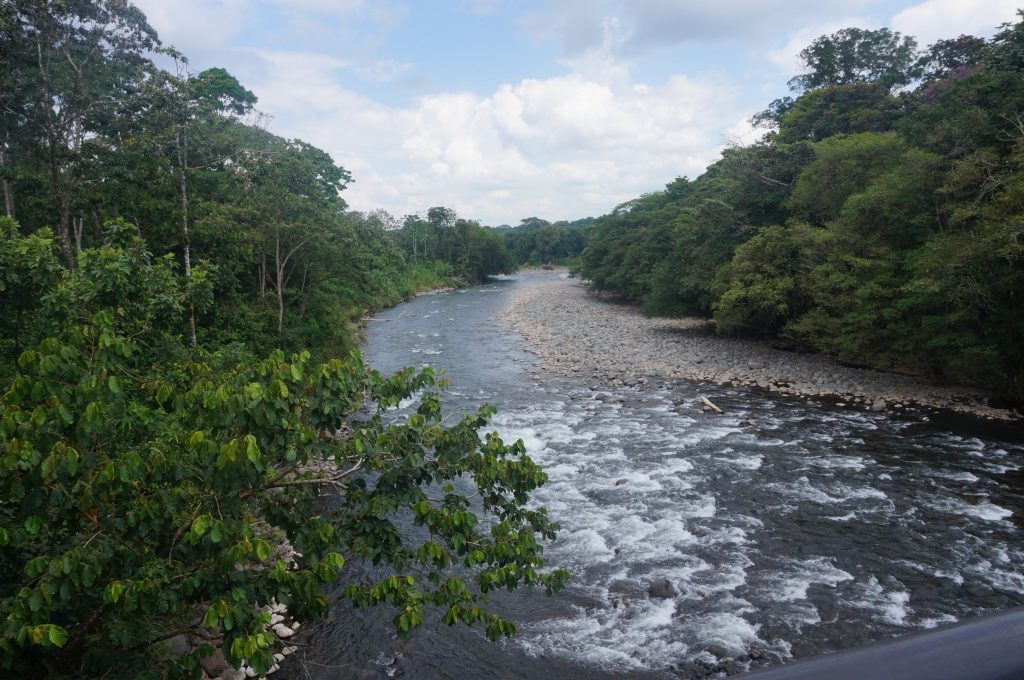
[(171, 273), (879, 220), (91, 131)]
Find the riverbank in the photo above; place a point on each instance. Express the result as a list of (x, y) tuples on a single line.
[(578, 334)]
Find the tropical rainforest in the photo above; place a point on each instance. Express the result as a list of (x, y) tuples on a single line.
[(880, 219), (181, 290)]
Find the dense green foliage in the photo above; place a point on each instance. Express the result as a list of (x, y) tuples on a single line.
[(460, 247), (184, 158), (879, 219), (167, 442), (535, 241)]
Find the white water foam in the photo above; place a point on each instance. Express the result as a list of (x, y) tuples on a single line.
[(984, 509), (797, 577), (890, 605)]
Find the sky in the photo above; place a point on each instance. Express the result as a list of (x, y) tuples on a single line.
[(507, 109)]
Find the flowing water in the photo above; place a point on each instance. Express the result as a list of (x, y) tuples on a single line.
[(790, 528)]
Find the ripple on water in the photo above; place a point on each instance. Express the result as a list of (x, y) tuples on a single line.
[(781, 523)]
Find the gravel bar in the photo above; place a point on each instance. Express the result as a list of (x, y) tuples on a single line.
[(579, 334)]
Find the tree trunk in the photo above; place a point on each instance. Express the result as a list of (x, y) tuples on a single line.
[(302, 292), (78, 224), (62, 192), (263, 274), (185, 243), (280, 267), (279, 271), (64, 229), (8, 194)]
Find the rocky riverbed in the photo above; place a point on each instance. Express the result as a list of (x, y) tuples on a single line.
[(579, 334)]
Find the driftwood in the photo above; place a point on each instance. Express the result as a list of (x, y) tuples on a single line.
[(707, 402)]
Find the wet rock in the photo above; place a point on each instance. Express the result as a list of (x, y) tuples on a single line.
[(719, 651), (878, 405), (178, 646), (663, 589), (620, 482), (214, 664)]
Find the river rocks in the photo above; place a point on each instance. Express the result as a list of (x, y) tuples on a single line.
[(178, 646), (282, 631), (878, 405), (662, 589), (214, 664), (578, 334)]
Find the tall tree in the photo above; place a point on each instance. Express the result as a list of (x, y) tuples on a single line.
[(89, 55), (443, 222), (856, 55), (178, 104)]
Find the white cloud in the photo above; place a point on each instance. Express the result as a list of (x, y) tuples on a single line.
[(651, 24), (743, 133), (199, 28), (939, 19), (560, 147)]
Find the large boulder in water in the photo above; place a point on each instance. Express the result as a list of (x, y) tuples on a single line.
[(663, 589)]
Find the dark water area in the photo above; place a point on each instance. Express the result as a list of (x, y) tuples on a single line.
[(791, 528)]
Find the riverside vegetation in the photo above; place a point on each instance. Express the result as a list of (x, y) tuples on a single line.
[(178, 287), (880, 220), (181, 291)]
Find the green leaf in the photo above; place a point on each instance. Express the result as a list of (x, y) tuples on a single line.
[(262, 550), (65, 414), (33, 525), (252, 452), (200, 525), (114, 385), (112, 593), (57, 635)]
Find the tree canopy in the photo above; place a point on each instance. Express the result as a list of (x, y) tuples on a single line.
[(857, 55), (877, 220), (178, 388)]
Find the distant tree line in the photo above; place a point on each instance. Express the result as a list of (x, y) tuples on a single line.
[(535, 241), (462, 247), (880, 219)]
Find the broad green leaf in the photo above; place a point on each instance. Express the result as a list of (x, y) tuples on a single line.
[(200, 525), (57, 636), (33, 525)]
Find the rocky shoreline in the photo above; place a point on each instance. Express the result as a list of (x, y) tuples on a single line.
[(579, 334)]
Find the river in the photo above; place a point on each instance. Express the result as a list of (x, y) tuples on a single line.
[(790, 529)]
